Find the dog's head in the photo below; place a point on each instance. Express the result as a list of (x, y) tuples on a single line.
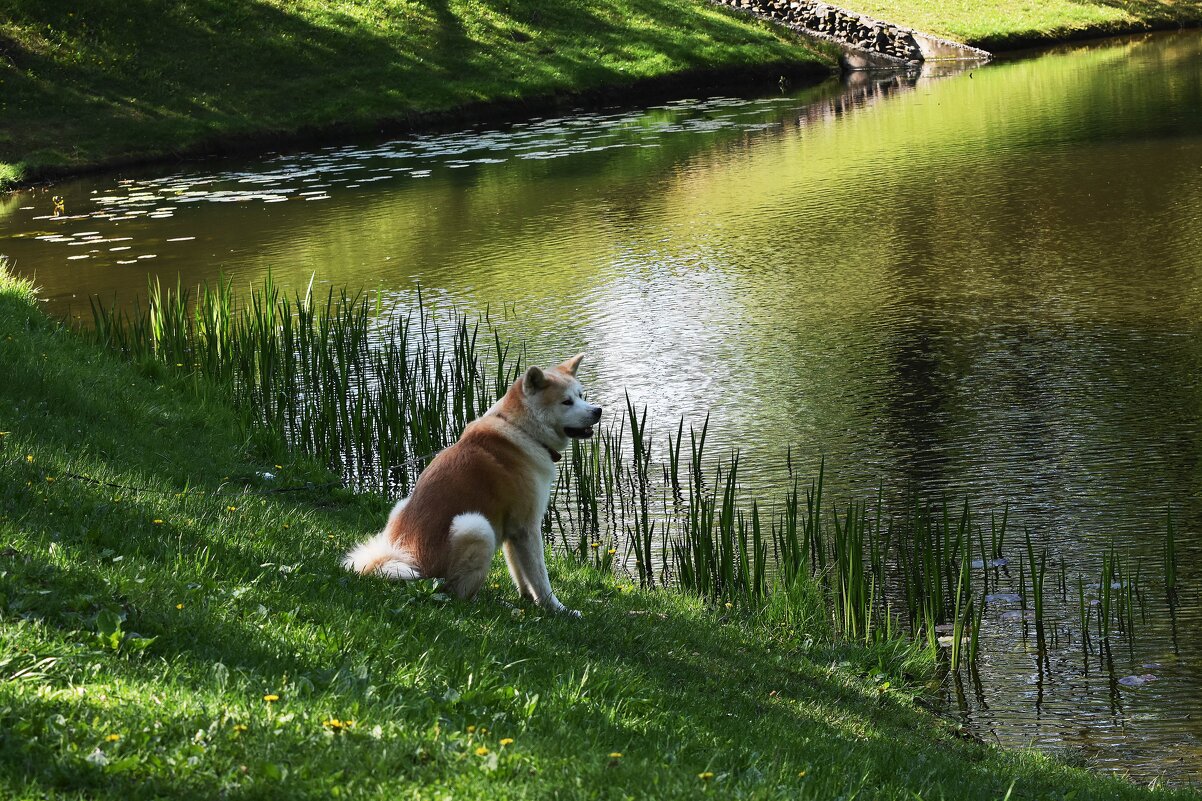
[(556, 401)]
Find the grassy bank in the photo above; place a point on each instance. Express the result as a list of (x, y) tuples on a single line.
[(175, 623), (104, 82), (1000, 25)]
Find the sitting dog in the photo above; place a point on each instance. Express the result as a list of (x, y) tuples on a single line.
[(489, 489)]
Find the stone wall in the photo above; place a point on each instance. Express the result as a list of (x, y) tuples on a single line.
[(883, 44)]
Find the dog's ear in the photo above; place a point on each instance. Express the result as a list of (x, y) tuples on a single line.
[(534, 381), (571, 364)]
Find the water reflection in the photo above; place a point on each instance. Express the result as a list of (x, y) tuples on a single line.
[(982, 285)]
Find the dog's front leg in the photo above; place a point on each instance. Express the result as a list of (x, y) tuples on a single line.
[(528, 566), (514, 562)]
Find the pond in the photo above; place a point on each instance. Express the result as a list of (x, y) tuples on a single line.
[(982, 285)]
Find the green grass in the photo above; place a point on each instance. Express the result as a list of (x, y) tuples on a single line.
[(83, 84), (1000, 24), (115, 81), (154, 592)]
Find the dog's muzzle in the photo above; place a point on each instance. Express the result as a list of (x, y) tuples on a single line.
[(587, 431)]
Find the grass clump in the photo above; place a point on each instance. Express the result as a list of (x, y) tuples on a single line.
[(173, 624), (102, 82)]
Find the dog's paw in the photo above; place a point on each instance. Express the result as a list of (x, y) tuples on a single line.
[(570, 612)]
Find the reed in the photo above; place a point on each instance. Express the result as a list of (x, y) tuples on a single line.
[(376, 392), (1105, 599), (641, 532), (1083, 614), (961, 616), (1038, 568), (1170, 559), (977, 615)]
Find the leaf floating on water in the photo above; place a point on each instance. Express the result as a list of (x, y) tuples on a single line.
[(1137, 681), (1003, 597)]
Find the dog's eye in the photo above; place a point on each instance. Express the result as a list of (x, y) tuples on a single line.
[(567, 401)]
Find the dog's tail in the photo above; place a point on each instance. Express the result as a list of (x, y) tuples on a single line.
[(379, 555)]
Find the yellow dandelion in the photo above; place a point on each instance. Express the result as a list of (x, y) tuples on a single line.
[(231, 508), (279, 467), (334, 724), (613, 551), (471, 729), (271, 698), (801, 774), (157, 522), (287, 526), (50, 479), (240, 727), (615, 755), (481, 751), (594, 545), (706, 775), (179, 606), (506, 741), (29, 457), (112, 738)]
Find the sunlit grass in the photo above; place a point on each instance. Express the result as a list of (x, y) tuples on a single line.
[(997, 23)]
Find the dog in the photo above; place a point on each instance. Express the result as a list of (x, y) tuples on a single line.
[(488, 490)]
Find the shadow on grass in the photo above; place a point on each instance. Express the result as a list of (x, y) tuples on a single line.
[(107, 79)]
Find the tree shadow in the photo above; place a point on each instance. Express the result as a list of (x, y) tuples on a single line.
[(141, 76)]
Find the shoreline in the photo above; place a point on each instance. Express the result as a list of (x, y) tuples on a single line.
[(644, 91), (1017, 44), (805, 71)]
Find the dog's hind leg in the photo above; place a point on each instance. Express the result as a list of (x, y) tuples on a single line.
[(473, 543)]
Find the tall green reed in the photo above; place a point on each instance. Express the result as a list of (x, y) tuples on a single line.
[(376, 392)]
